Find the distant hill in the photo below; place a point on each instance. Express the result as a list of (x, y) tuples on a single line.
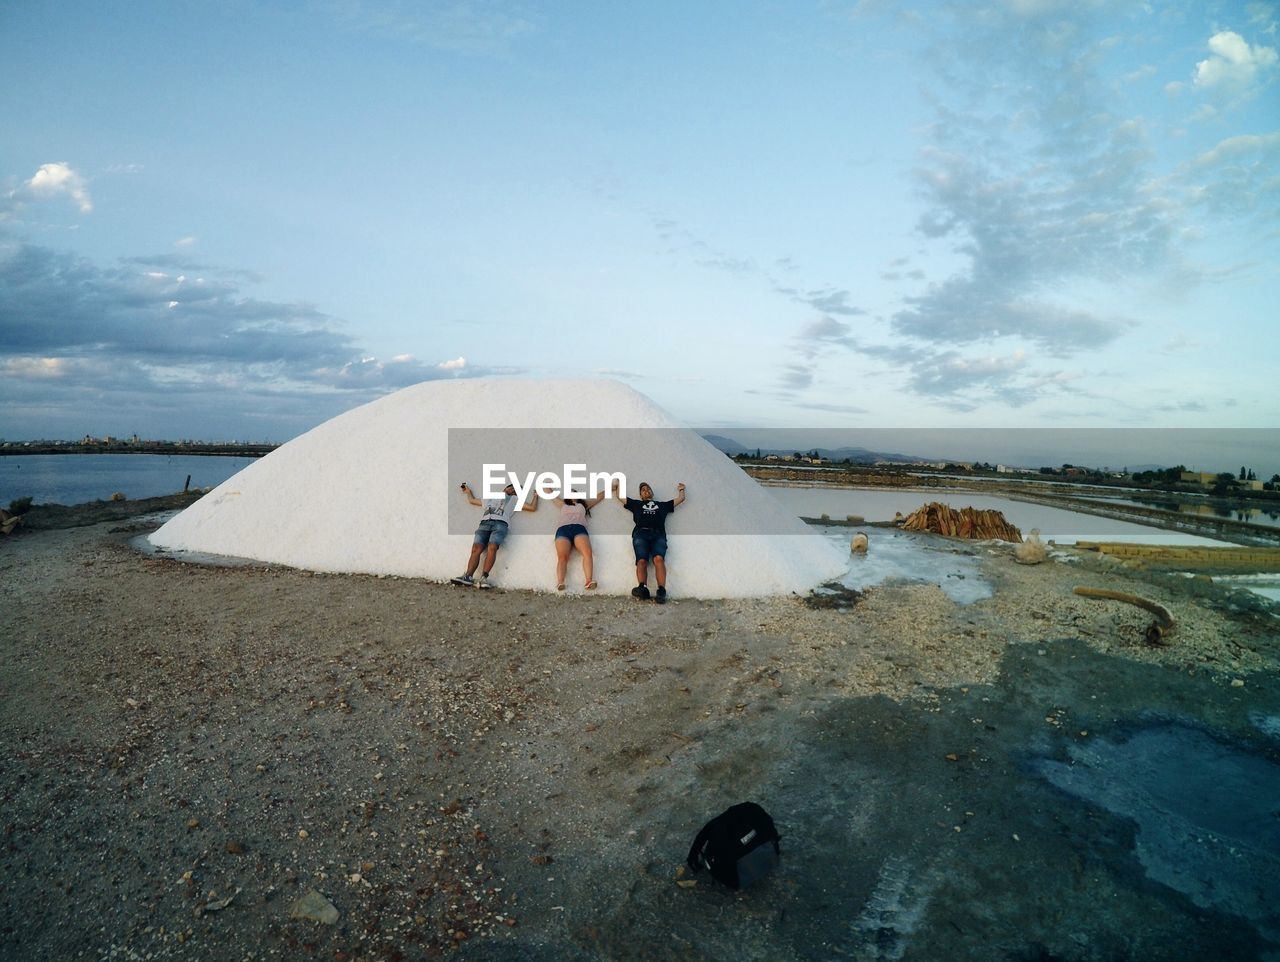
[(855, 455)]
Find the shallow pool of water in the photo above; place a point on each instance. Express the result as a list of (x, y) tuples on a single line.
[(1056, 524), (1204, 810), (1266, 517), (905, 557)]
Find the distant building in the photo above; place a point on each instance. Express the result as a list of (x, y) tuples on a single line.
[(1206, 478)]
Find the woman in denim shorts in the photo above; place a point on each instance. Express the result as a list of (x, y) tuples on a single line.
[(571, 534)]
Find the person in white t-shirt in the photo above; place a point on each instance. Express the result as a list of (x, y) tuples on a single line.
[(495, 518)]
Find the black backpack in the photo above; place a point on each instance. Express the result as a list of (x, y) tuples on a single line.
[(738, 846)]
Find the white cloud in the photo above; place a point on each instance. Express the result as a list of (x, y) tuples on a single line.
[(473, 27), (188, 241), (1234, 66), (1235, 147), (55, 179), (1181, 343), (457, 364), (1039, 8), (34, 368), (1237, 177), (796, 377), (951, 372), (818, 336)]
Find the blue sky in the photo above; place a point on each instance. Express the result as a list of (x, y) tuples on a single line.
[(236, 220)]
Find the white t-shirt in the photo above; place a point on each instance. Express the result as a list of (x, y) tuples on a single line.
[(499, 509)]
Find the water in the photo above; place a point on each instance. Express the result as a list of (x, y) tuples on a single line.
[(904, 557), (1057, 524), (895, 556), (1202, 811), (1268, 517), (1266, 584), (78, 478)]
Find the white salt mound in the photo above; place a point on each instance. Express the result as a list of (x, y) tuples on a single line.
[(370, 492)]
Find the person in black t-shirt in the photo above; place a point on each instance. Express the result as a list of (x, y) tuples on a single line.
[(649, 537)]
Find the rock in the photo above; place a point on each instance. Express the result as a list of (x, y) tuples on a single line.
[(119, 496), (234, 848), (314, 906), (218, 905), (1032, 551)]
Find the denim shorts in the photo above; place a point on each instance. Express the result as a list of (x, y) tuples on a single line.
[(570, 531), (648, 544), (491, 532)]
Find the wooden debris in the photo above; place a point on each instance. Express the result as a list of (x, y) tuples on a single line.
[(972, 523), (8, 521), (1156, 631)]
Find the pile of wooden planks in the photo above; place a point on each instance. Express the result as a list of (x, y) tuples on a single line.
[(974, 523)]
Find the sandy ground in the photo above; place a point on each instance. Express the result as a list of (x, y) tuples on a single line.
[(191, 750)]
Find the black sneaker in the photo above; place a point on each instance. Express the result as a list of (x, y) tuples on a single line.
[(640, 592), (462, 580), (661, 596)]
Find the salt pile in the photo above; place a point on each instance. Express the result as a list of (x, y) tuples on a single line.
[(371, 491)]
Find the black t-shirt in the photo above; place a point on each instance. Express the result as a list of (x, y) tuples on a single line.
[(650, 515)]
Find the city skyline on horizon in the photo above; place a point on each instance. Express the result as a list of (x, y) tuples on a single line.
[(1200, 449)]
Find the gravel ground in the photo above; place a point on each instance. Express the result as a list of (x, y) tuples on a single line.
[(254, 763)]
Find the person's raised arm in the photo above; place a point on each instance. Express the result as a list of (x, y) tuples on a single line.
[(470, 495), (591, 504), (617, 492), (679, 499), (532, 504)]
